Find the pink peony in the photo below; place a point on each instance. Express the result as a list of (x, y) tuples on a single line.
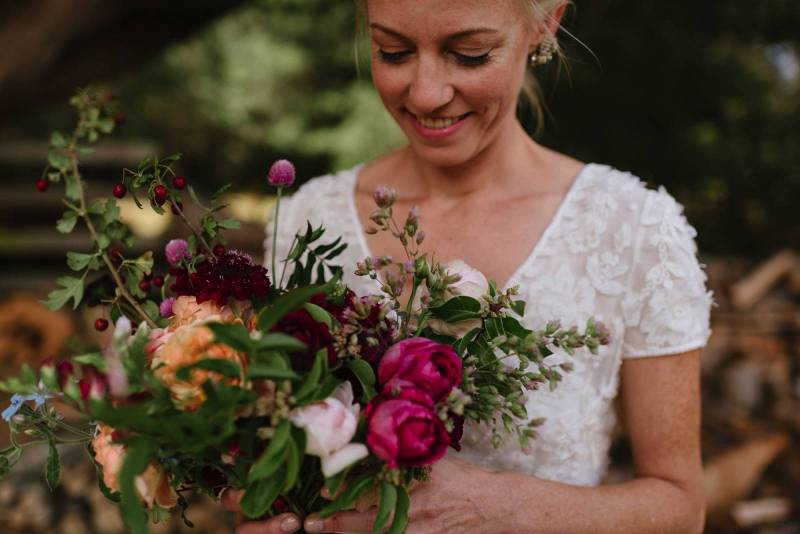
[(281, 174), (405, 431), (330, 426), (420, 363)]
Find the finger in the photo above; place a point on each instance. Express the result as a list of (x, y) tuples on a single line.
[(280, 524), (230, 499), (367, 500), (347, 522)]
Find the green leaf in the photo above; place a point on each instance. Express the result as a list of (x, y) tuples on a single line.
[(218, 193), (235, 336), (365, 375), (263, 370), (400, 512), (96, 208), (260, 494), (27, 375), (111, 212), (319, 314), (335, 482), (67, 222), (145, 262), (226, 368), (92, 358), (312, 380), (279, 341), (287, 303), (458, 309), (272, 458), (72, 187), (349, 496), (461, 345), (72, 289), (519, 307), (229, 224), (386, 505), (293, 462), (59, 140), (513, 326), (58, 160), (136, 460), (78, 261), (52, 468)]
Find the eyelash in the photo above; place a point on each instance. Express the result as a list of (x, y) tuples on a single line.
[(463, 59)]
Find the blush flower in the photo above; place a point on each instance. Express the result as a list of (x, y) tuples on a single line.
[(330, 426), (471, 283)]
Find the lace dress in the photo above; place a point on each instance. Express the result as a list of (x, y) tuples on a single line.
[(615, 251)]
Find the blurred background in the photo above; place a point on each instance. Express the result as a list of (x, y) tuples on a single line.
[(703, 98)]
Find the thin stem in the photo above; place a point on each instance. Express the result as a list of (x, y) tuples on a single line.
[(275, 230), (286, 262), (103, 254), (191, 227)]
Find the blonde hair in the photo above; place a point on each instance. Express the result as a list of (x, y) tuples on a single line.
[(540, 13)]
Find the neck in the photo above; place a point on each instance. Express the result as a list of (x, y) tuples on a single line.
[(495, 168)]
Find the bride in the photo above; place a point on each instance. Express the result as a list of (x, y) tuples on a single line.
[(580, 240)]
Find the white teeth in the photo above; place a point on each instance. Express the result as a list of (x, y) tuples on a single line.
[(437, 124)]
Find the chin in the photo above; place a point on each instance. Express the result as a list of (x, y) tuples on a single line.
[(444, 156)]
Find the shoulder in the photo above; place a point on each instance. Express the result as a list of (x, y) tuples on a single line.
[(636, 202)]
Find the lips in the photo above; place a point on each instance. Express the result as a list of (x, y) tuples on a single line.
[(437, 127)]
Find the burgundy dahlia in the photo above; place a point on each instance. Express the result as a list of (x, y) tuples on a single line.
[(300, 325), (234, 274)]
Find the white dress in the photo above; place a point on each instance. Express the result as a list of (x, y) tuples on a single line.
[(615, 251)]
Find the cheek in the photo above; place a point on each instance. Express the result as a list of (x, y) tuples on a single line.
[(389, 82), (495, 89)]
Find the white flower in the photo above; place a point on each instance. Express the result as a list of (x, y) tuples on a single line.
[(471, 284), (329, 426)]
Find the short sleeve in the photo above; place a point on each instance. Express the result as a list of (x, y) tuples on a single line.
[(667, 306)]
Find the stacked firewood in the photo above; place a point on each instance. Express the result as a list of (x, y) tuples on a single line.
[(751, 416)]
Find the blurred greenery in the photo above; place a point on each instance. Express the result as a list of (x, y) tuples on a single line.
[(701, 97)]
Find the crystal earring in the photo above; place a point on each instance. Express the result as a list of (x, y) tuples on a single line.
[(544, 54)]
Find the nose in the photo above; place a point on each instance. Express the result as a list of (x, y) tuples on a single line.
[(430, 87)]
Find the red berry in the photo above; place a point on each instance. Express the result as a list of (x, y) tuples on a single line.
[(160, 194), (158, 281), (42, 184), (144, 285), (177, 208), (219, 251), (179, 182), (101, 324), (119, 190)]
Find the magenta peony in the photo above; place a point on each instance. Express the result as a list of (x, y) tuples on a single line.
[(423, 364), (405, 430)]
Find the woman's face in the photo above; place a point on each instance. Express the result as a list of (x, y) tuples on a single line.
[(450, 71)]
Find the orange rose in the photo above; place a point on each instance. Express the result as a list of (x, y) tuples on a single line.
[(188, 345), (152, 485)]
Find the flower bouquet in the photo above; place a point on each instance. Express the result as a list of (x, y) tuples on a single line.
[(224, 374)]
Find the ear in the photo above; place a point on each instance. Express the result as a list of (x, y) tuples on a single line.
[(555, 21)]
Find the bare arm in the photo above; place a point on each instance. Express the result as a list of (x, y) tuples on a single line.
[(661, 402)]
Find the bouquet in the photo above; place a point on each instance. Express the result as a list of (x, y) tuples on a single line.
[(225, 374)]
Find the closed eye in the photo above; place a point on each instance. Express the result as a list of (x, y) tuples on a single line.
[(472, 61), (393, 57)]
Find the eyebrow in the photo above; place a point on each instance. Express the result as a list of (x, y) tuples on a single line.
[(451, 37)]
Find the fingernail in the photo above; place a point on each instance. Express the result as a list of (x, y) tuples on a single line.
[(290, 524), (314, 525)]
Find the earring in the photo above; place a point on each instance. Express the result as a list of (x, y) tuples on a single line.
[(544, 54)]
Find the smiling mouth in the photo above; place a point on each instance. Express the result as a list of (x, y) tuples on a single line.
[(438, 123)]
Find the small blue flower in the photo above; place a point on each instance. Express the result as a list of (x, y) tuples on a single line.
[(17, 400)]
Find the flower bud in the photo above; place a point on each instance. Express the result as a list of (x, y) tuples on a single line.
[(176, 250), (165, 308), (384, 196), (281, 174)]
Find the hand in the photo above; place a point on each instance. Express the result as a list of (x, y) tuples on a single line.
[(445, 504), (280, 524)]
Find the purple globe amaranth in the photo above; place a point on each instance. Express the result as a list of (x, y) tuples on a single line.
[(176, 250), (281, 174), (165, 308)]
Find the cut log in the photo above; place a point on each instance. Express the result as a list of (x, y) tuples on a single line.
[(748, 291)]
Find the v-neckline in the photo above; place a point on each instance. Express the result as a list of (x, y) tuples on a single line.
[(535, 251)]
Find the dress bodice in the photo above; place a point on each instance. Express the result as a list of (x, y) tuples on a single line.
[(616, 251)]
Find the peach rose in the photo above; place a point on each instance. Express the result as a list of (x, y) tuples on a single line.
[(185, 346), (152, 485)]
